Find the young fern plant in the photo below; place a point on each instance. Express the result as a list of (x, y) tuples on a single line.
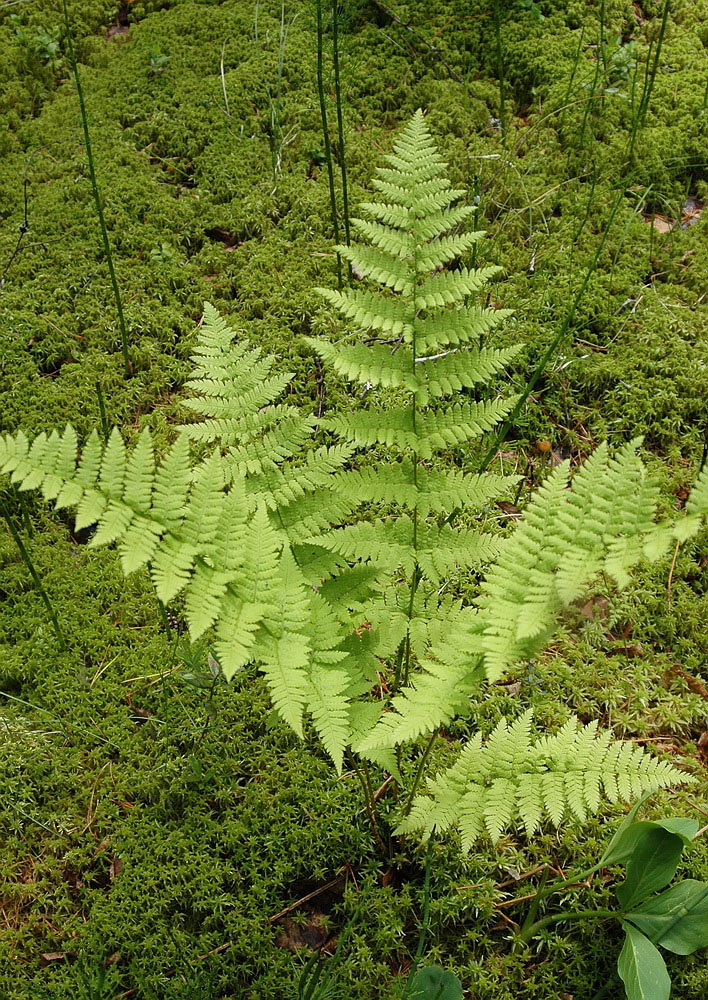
[(242, 531)]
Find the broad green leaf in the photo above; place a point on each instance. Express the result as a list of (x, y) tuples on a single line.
[(434, 983), (615, 850), (641, 968), (651, 866), (629, 834), (677, 919)]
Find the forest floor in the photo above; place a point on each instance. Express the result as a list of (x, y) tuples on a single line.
[(154, 824)]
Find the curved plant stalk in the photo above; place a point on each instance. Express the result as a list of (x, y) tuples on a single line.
[(12, 528), (97, 196), (649, 77), (325, 136), (340, 123)]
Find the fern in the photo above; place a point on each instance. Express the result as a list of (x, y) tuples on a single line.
[(265, 442), (422, 338), (511, 779), (242, 527), (604, 523), (212, 542)]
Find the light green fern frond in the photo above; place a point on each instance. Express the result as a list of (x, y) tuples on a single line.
[(564, 539), (232, 382), (513, 779), (235, 388), (433, 491), (400, 543), (214, 542), (422, 336)]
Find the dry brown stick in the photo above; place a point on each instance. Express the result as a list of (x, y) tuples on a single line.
[(671, 575), (305, 899)]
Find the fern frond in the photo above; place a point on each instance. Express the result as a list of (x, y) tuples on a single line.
[(390, 545), (372, 310), (444, 249), (431, 491), (564, 539), (429, 432), (697, 503), (512, 778), (450, 287), (438, 375), (442, 329), (446, 640), (284, 646), (371, 262)]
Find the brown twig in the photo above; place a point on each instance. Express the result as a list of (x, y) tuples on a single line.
[(307, 898), (671, 575)]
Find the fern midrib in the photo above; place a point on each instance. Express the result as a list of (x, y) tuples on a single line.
[(415, 578)]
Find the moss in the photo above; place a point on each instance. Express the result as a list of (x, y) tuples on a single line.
[(143, 817)]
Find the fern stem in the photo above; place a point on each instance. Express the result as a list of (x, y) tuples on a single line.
[(415, 578), (34, 574), (419, 772), (325, 138), (425, 922), (362, 774), (96, 195), (500, 69)]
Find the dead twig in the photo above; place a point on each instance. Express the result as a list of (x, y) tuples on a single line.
[(307, 898)]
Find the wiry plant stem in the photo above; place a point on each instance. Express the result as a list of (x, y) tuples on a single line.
[(34, 574), (419, 772), (340, 122), (96, 194), (325, 136), (649, 77), (362, 773)]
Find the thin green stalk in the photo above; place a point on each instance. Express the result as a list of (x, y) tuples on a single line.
[(555, 343), (425, 922), (275, 130), (96, 195), (595, 79), (419, 772), (586, 215), (370, 803), (650, 76), (21, 501), (325, 137), (571, 79), (500, 68), (34, 574), (533, 909), (340, 122)]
